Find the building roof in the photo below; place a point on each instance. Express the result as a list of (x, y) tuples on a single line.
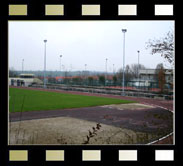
[(152, 71), (26, 74)]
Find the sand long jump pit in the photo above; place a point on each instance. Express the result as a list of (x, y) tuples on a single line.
[(132, 123)]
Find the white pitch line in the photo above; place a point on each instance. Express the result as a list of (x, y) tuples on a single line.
[(160, 107), (160, 139)]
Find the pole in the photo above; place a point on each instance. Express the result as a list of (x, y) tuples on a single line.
[(22, 65), (85, 73), (106, 71), (138, 70), (85, 69), (123, 94), (60, 63), (113, 69), (45, 64)]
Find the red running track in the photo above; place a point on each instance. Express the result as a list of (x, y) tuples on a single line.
[(167, 104)]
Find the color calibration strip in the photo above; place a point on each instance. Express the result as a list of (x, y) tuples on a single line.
[(18, 155), (127, 155), (127, 10), (91, 155), (17, 10), (54, 155), (54, 10), (91, 10)]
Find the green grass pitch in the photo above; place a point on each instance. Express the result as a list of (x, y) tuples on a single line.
[(36, 100)]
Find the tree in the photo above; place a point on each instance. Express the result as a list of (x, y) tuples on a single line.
[(12, 72), (76, 80), (51, 79), (163, 46), (160, 76), (158, 67), (90, 80), (101, 79), (134, 69), (114, 79), (119, 75), (128, 73)]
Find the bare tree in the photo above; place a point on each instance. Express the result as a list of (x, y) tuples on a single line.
[(131, 72), (134, 69), (163, 46)]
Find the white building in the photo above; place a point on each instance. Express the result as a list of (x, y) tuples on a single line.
[(149, 75), (24, 80)]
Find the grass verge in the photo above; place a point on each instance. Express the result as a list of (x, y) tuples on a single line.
[(36, 100)]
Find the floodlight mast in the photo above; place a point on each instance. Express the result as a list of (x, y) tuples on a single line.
[(138, 69), (85, 71), (22, 65), (60, 62), (106, 72), (45, 64), (123, 83), (113, 69)]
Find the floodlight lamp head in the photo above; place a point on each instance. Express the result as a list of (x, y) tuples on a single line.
[(124, 30), (45, 40), (138, 51)]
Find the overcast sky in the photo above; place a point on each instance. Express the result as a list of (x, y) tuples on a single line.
[(83, 42)]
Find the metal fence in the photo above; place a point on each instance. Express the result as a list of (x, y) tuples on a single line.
[(108, 90), (144, 86)]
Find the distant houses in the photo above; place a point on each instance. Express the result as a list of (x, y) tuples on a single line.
[(147, 79)]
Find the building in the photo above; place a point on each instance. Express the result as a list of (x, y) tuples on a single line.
[(149, 75), (24, 80), (147, 79)]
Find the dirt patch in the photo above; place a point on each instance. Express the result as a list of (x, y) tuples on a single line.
[(66, 130), (133, 106)]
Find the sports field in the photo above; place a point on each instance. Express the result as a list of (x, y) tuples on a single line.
[(36, 100)]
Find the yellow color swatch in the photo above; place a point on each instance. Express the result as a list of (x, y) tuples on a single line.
[(91, 155), (15, 10), (90, 10), (127, 9), (54, 155), (18, 155), (127, 155), (54, 10)]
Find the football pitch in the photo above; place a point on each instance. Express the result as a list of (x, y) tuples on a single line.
[(22, 100)]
